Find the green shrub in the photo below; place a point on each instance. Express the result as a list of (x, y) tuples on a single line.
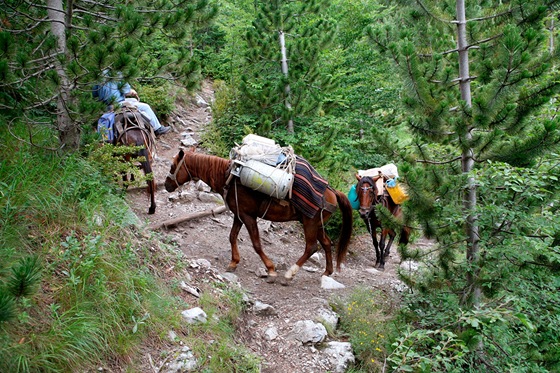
[(160, 98), (364, 318)]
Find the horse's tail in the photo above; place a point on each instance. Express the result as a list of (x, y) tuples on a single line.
[(147, 167), (146, 162), (346, 233)]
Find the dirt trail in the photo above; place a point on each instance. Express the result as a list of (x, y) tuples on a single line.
[(207, 238)]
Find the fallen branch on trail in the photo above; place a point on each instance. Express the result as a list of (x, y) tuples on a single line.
[(134, 188), (171, 223)]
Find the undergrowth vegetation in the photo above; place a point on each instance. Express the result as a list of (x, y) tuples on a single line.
[(367, 319), (80, 282)]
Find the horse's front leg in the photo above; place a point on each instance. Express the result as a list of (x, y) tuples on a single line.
[(381, 252), (233, 234), (384, 250), (373, 232), (253, 229)]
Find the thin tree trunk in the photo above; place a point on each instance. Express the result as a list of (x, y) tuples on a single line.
[(68, 132), (287, 87), (551, 37), (467, 163)]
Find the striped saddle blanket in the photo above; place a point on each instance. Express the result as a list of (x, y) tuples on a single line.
[(308, 188)]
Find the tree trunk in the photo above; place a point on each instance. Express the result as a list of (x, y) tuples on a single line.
[(68, 131), (467, 162), (287, 87)]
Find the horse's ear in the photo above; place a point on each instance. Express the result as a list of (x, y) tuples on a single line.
[(181, 153), (358, 177)]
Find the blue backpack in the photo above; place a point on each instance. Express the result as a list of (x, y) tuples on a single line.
[(353, 198), (105, 126)]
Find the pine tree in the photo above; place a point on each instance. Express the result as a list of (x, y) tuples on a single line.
[(284, 82), (51, 55), (477, 76)]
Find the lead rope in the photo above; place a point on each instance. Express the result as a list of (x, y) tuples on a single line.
[(237, 204), (267, 207)]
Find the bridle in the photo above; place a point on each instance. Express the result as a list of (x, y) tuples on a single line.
[(173, 176), (374, 197)]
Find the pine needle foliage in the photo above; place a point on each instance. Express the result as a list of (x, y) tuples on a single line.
[(274, 94), (68, 50), (7, 306), (482, 153), (25, 277)]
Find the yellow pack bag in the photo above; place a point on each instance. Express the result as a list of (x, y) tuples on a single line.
[(397, 193)]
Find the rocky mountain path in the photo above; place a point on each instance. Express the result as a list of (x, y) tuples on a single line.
[(266, 333)]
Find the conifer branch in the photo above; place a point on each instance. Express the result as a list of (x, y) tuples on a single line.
[(30, 142), (28, 77), (439, 162)]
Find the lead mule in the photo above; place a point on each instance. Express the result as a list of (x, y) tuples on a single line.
[(247, 205)]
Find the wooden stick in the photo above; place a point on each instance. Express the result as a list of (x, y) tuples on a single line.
[(171, 223), (143, 186)]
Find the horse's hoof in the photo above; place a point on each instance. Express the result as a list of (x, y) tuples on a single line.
[(151, 211), (271, 279), (231, 269), (285, 281), (382, 269)]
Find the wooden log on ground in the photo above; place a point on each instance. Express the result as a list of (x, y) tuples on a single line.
[(171, 223), (143, 187)]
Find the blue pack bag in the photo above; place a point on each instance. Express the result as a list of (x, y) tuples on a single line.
[(353, 198), (105, 126)]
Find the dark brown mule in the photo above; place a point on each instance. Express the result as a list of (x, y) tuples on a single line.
[(133, 129), (247, 205), (369, 199)]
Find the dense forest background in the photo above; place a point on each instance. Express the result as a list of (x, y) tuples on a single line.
[(461, 96)]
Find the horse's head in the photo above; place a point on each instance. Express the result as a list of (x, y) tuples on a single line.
[(367, 195), (178, 174)]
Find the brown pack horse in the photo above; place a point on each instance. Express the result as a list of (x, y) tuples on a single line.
[(247, 205), (369, 199), (134, 130)]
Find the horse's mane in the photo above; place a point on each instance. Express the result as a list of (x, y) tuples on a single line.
[(215, 168)]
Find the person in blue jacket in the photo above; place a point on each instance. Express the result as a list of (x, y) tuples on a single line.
[(115, 92)]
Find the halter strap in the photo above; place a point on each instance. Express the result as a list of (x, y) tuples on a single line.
[(173, 176), (375, 200)]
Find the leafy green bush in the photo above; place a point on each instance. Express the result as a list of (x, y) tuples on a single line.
[(365, 318), (110, 161), (160, 98)]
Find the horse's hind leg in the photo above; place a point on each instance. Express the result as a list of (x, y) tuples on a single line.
[(326, 243), (146, 167), (391, 234), (310, 231), (235, 228)]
